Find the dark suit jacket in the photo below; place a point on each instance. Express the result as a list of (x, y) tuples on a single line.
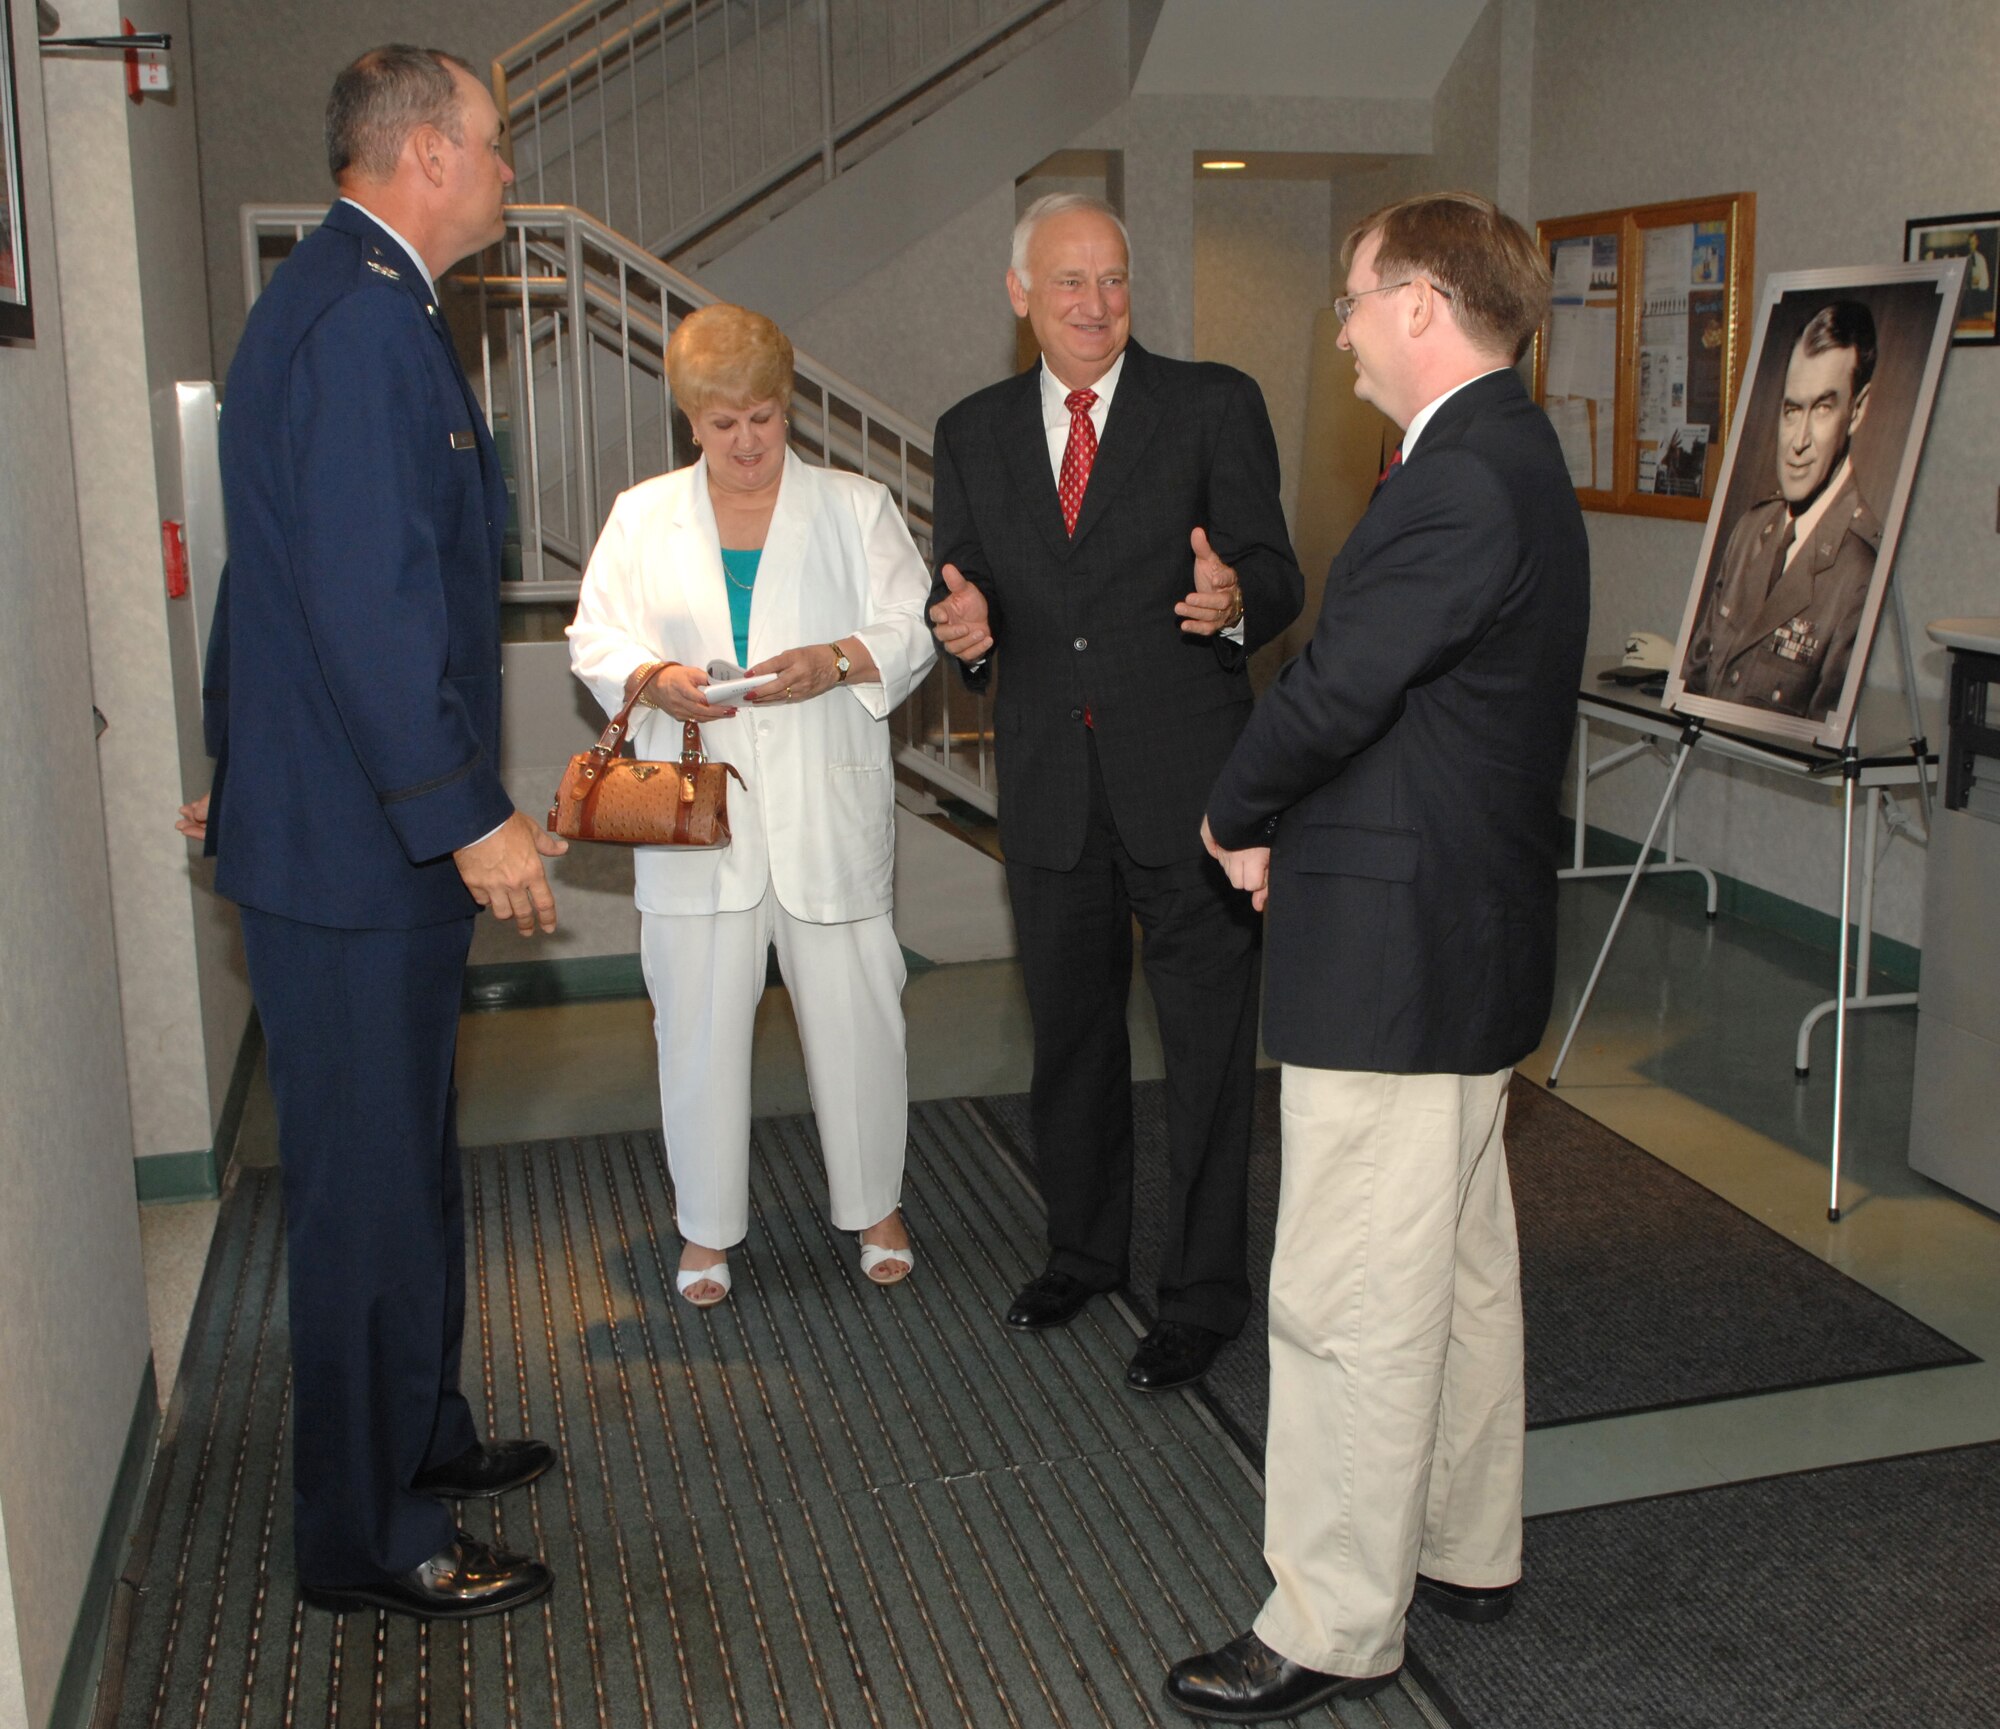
[(1088, 623), (1787, 648), (353, 677), (1413, 756)]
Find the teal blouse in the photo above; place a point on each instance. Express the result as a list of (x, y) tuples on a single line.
[(739, 566)]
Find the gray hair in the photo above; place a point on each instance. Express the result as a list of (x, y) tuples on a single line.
[(384, 96), (1059, 204)]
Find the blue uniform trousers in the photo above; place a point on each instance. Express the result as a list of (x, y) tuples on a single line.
[(361, 1027)]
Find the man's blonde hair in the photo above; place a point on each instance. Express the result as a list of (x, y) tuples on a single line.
[(1484, 260)]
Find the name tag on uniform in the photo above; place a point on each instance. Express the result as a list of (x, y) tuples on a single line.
[(464, 440)]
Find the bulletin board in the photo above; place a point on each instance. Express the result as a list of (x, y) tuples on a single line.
[(1639, 364)]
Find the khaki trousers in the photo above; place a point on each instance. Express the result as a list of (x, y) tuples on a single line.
[(1396, 1430)]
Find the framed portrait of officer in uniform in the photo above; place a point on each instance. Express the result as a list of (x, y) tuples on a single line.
[(1796, 556)]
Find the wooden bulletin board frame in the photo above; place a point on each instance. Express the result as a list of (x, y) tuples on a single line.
[(1670, 342)]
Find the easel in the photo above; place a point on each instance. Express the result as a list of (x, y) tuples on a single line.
[(1693, 730)]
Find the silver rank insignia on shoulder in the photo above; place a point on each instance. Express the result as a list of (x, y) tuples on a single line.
[(384, 270)]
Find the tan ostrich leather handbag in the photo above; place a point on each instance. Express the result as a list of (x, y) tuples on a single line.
[(607, 796)]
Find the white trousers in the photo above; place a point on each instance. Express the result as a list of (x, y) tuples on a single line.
[(705, 973), (1397, 1408)]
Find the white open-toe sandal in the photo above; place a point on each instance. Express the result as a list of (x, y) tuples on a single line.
[(875, 1255), (686, 1278)]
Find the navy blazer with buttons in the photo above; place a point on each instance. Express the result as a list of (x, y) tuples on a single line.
[(1412, 759), (352, 696)]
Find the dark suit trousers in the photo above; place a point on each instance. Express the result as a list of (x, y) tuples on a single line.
[(1201, 958), (360, 1029)]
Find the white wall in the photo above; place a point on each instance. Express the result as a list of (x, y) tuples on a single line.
[(125, 184), (1845, 118), (1261, 274), (264, 71), (932, 324), (73, 1339)]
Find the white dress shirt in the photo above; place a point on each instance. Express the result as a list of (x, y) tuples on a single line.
[(1055, 410), (1422, 418), (1056, 421)]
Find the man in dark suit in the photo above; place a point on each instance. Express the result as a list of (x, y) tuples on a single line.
[(1394, 799), (1778, 627), (358, 819), (1109, 541)]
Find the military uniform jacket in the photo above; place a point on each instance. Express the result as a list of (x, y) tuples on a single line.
[(1085, 623), (1412, 758), (352, 696), (1787, 650)]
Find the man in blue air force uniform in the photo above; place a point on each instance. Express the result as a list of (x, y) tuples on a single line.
[(357, 818)]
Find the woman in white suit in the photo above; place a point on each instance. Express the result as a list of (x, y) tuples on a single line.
[(755, 557)]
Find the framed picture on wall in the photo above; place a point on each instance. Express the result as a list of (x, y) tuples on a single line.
[(1798, 549), (1976, 239), (17, 314)]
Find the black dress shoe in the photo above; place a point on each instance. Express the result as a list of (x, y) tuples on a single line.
[(1247, 1682), (486, 1470), (463, 1579), (1481, 1603), (1051, 1300), (1173, 1354)]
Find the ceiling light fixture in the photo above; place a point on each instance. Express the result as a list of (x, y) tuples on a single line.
[(1223, 164)]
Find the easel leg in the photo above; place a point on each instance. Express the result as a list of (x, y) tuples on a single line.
[(1850, 774), (1688, 738)]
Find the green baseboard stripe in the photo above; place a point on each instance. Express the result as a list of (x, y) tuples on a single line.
[(76, 1692), (186, 1176), (1895, 963), (537, 984)]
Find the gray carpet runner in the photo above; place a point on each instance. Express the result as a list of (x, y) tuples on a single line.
[(1862, 1597), (1641, 1289), (819, 1503)]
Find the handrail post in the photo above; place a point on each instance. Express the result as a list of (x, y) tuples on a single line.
[(586, 414), (826, 152)]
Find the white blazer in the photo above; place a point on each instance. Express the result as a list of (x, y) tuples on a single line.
[(817, 818)]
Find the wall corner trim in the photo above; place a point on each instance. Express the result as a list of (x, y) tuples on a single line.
[(103, 1610)]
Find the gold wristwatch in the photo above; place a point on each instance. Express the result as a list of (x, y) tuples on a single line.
[(842, 666)]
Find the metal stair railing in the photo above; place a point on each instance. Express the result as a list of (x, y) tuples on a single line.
[(566, 325), (666, 119)]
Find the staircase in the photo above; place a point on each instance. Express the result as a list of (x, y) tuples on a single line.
[(685, 124)]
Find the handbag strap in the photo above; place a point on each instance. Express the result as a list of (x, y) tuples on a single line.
[(614, 736), (609, 740)]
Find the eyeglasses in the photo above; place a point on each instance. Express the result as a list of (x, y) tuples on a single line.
[(1343, 308)]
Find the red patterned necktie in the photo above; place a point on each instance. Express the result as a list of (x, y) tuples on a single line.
[(1395, 462), (1078, 455)]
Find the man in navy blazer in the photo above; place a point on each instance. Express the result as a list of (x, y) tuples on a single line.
[(1117, 593), (358, 820), (1393, 802)]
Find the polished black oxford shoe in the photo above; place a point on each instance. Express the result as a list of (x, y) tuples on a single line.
[(1173, 1354), (485, 1470), (1050, 1300), (1479, 1603), (1247, 1682), (464, 1579)]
